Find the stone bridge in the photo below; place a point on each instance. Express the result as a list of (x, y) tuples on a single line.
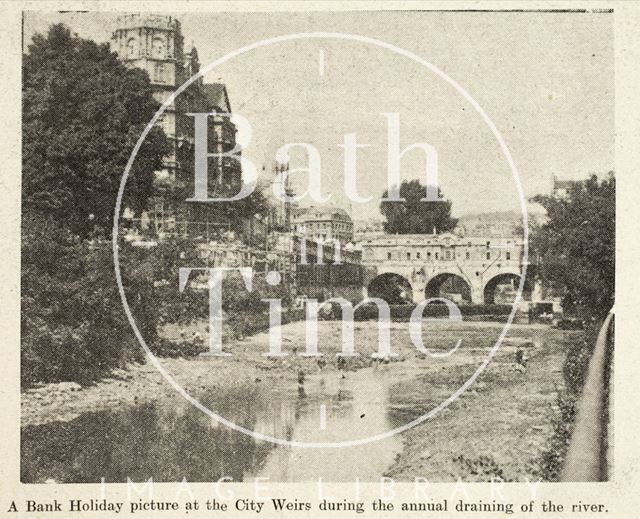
[(471, 266)]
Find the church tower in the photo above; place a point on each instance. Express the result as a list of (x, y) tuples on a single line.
[(154, 43)]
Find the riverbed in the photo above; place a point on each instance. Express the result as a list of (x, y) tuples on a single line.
[(134, 425)]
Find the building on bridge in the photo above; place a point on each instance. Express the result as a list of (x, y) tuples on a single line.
[(465, 269)]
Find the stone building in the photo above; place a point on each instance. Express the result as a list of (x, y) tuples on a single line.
[(155, 44), (324, 224), (479, 269)]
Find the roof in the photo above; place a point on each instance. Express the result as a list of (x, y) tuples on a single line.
[(323, 213), (566, 184), (419, 240), (217, 97)]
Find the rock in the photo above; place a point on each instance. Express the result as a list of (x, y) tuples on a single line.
[(65, 386), (424, 455), (519, 342), (120, 374)]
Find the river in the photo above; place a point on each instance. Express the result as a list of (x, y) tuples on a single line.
[(168, 439)]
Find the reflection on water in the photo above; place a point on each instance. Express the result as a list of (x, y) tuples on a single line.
[(169, 440), (356, 408)]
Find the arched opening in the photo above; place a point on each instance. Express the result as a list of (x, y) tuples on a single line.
[(393, 288), (503, 288), (449, 286)]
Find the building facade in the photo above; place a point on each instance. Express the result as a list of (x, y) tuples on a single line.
[(155, 44), (324, 224), (429, 261)]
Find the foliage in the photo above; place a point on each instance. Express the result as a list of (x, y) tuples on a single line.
[(576, 245), (73, 325), (402, 312), (574, 372), (192, 304), (393, 288), (83, 112), (413, 216), (576, 256)]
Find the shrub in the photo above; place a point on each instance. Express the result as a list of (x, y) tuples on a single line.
[(73, 324), (403, 313), (574, 370)]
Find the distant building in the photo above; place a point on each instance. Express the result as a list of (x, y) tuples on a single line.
[(561, 188), (324, 223), (496, 224), (367, 228), (279, 211)]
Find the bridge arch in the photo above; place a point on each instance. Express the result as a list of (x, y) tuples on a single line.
[(391, 287), (502, 288), (449, 285)]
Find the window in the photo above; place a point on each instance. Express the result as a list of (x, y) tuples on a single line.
[(468, 255), (408, 255), (157, 49), (132, 48), (508, 255), (388, 255), (428, 255), (488, 255), (436, 255), (417, 255), (158, 73)]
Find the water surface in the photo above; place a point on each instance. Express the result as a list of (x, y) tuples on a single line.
[(169, 439)]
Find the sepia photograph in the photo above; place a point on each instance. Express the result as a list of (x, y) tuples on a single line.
[(316, 245)]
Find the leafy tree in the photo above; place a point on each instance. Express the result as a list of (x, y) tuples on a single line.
[(414, 216), (83, 111), (393, 288), (576, 245), (73, 325)]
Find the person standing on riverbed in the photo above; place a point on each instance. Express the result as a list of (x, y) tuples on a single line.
[(301, 377)]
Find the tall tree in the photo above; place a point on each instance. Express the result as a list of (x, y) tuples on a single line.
[(414, 216), (576, 245), (83, 112)]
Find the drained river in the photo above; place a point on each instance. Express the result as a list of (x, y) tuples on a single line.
[(168, 439)]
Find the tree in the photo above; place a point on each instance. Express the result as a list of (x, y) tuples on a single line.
[(414, 216), (83, 111), (576, 245), (73, 327)]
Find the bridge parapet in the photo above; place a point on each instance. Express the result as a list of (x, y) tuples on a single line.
[(424, 257)]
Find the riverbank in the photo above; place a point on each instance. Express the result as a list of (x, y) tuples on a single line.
[(499, 427)]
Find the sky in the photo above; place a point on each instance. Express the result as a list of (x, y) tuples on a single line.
[(546, 80)]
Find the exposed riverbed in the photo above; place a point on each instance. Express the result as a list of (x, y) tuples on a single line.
[(135, 425)]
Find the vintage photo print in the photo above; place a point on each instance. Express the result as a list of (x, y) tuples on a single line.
[(337, 247)]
